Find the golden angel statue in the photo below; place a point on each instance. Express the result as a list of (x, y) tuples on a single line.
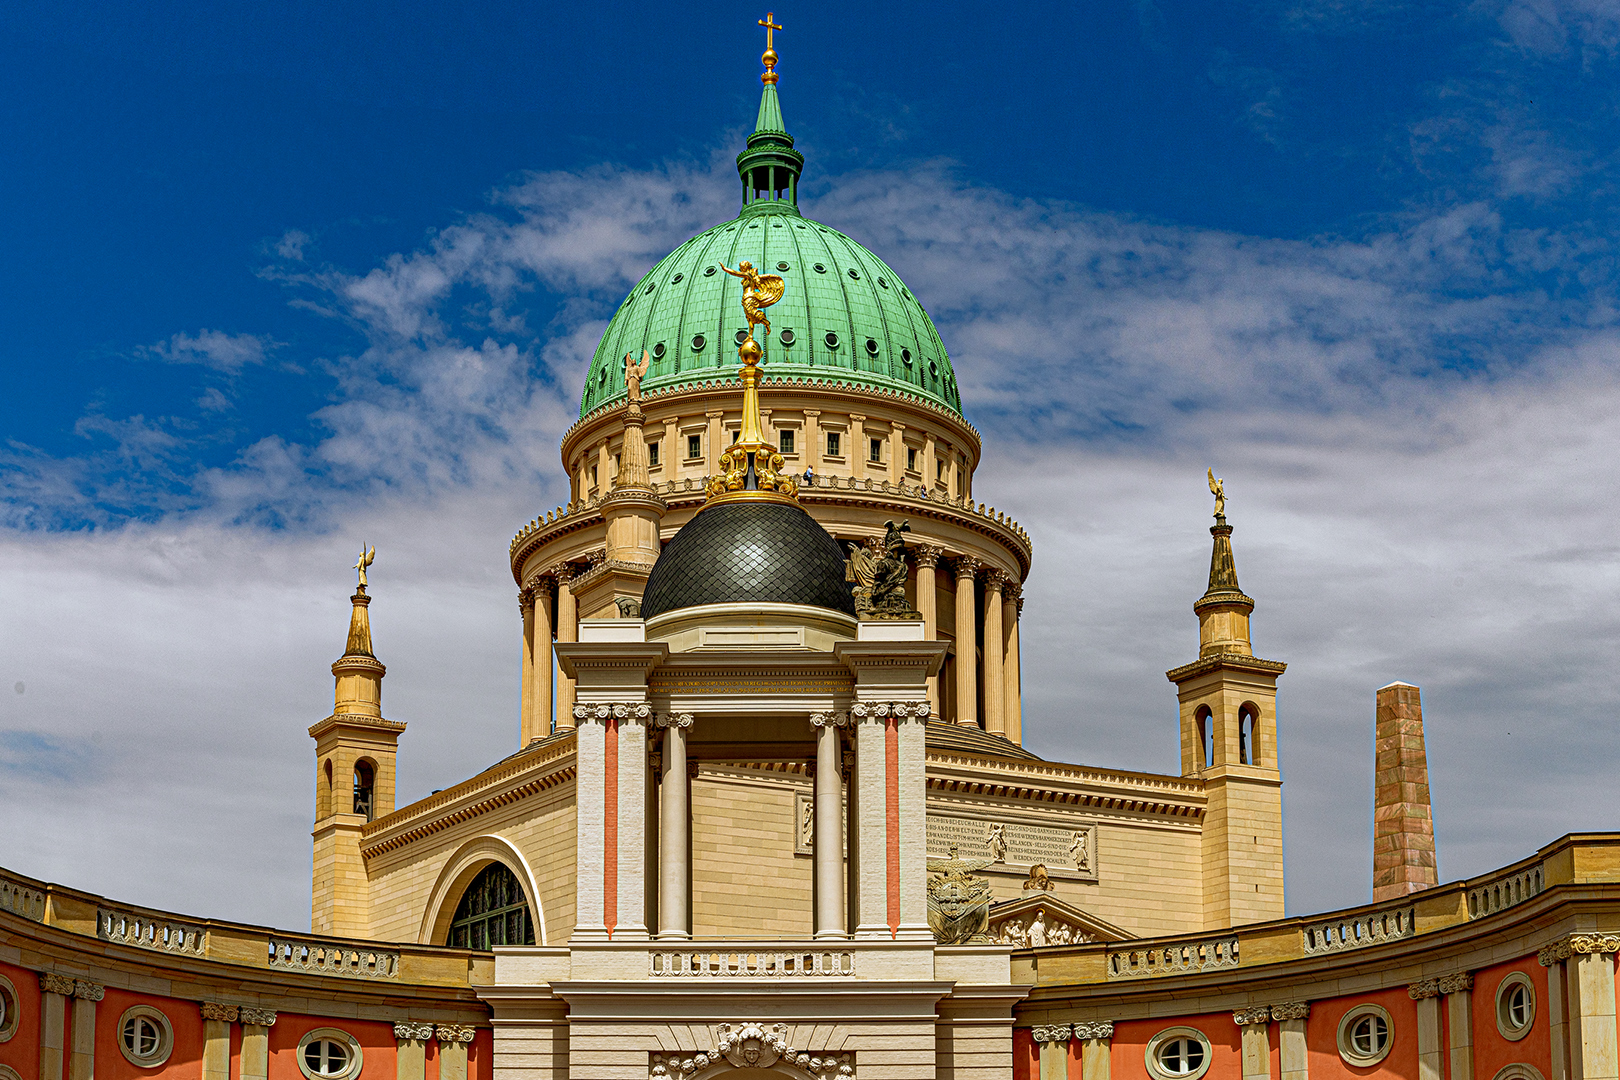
[(367, 556), (760, 291), (1217, 488), (634, 372)]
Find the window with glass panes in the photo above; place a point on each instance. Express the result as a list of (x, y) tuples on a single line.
[(493, 911)]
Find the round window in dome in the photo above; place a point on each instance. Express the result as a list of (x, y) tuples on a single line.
[(854, 275), (742, 336), (905, 357), (602, 378), (789, 337), (871, 346), (831, 340), (818, 268), (882, 284), (648, 290), (658, 351), (698, 341), (781, 266), (708, 271), (755, 225), (677, 279), (933, 369)]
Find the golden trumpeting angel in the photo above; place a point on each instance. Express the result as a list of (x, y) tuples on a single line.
[(367, 556), (760, 291), (1217, 488), (634, 373)]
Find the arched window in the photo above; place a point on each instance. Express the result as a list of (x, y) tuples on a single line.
[(1248, 718), (493, 911), (1206, 736), (324, 798), (364, 780)]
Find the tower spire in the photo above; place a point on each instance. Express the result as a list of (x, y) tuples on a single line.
[(1223, 611), (769, 166)]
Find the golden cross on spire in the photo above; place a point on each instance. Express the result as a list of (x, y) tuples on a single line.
[(769, 58)]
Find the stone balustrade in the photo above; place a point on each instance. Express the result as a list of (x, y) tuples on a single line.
[(1181, 958), (324, 958), (20, 899), (1358, 930), (750, 962), (157, 934), (1502, 892)]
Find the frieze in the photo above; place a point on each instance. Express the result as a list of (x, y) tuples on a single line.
[(1037, 929), (1062, 852), (751, 684)]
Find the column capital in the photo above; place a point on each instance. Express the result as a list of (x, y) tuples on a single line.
[(1291, 1010), (562, 573), (967, 566), (829, 719), (526, 599), (257, 1017), (858, 416), (218, 1010), (406, 1031), (1054, 1033), (541, 586), (675, 720), (455, 1034), (995, 580), (927, 556), (1094, 1029), (1254, 1015), (642, 713), (877, 710), (88, 991), (1578, 944), (812, 412), (1456, 984), (52, 983)]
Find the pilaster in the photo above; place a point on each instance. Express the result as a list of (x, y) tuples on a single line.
[(255, 1058), (217, 1021)]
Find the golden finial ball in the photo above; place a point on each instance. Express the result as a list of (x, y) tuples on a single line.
[(750, 352)]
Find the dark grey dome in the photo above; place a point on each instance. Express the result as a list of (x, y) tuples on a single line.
[(749, 552)]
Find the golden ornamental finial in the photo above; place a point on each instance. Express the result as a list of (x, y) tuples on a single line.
[(1217, 488), (769, 57), (751, 468), (367, 556)]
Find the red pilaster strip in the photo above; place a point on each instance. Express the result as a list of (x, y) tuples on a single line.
[(891, 804), (610, 831)]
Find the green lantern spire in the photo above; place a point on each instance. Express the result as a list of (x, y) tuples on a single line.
[(770, 167)]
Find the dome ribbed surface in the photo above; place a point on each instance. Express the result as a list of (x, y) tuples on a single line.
[(687, 314), (749, 552)]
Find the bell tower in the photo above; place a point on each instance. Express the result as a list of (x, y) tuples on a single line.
[(1228, 702), (354, 777)]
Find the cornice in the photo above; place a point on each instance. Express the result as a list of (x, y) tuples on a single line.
[(1043, 782), (1229, 661), (355, 720)]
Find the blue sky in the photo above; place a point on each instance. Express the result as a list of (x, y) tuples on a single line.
[(284, 275)]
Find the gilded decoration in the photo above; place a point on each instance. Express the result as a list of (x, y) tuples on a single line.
[(878, 570), (752, 468), (958, 902)]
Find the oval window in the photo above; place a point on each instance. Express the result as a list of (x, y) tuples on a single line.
[(329, 1054), (649, 289), (882, 284), (905, 357), (742, 336), (871, 346), (853, 274), (145, 1037), (658, 351), (818, 268), (789, 337), (781, 265), (1365, 1035), (698, 342), (1179, 1053), (677, 279), (831, 339), (1515, 1006), (708, 271)]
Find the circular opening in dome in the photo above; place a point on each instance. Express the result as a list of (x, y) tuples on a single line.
[(933, 369), (708, 271), (882, 284), (832, 340), (677, 279), (871, 346), (602, 378), (698, 342), (755, 225), (658, 351), (905, 357), (798, 226), (650, 288), (776, 224), (789, 337), (853, 274), (742, 336), (819, 268), (781, 266)]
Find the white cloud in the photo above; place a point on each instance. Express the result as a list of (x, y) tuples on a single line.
[(226, 353), (1414, 443)]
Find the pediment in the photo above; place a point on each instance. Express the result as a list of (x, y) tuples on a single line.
[(1054, 921)]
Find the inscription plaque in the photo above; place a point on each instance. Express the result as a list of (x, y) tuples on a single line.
[(1022, 845)]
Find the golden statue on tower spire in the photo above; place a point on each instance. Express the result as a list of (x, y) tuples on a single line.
[(769, 57), (760, 291)]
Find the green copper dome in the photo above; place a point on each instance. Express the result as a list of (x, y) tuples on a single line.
[(845, 316)]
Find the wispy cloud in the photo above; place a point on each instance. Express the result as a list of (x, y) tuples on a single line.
[(227, 353)]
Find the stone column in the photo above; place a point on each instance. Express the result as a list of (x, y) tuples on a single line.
[(910, 719), (526, 720), (1096, 1048), (590, 920), (1255, 1025), (967, 661), (1590, 1003), (829, 830), (567, 630), (995, 719), (1431, 1056), (54, 991), (1053, 1040), (632, 722), (1557, 1011), (1460, 1023), (410, 1053), (1012, 695), (674, 821), (604, 469), (540, 672), (927, 556), (1291, 1017), (216, 1059), (870, 797), (453, 1040), (256, 1025), (1403, 824), (82, 1061)]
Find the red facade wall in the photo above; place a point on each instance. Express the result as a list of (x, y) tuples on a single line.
[(1128, 1060), (1491, 1049), (1026, 1055), (21, 1051), (1322, 1036), (376, 1042), (185, 1062)]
